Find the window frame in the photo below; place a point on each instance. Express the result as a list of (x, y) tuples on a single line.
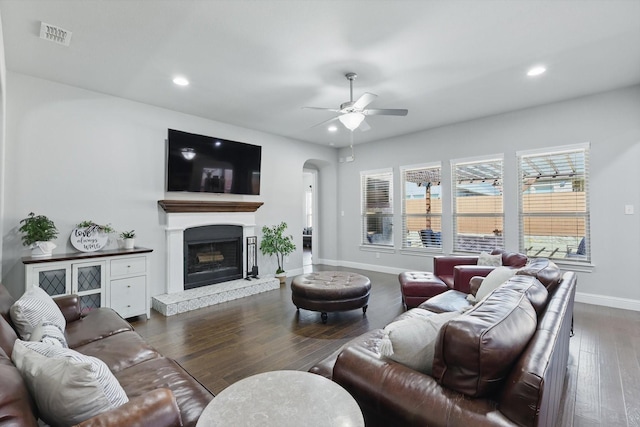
[(385, 216), (584, 243), (434, 240), (485, 242)]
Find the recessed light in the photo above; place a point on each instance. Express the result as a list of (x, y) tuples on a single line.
[(536, 71), (332, 128), (181, 81)]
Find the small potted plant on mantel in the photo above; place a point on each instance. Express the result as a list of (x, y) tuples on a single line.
[(274, 242), (128, 237), (38, 231)]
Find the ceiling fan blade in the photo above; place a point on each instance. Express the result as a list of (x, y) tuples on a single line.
[(325, 122), (385, 112), (321, 108), (364, 126), (366, 99)]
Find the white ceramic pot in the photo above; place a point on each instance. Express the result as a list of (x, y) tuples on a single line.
[(282, 277), (42, 249), (129, 243)]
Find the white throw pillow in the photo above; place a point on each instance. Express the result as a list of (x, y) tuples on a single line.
[(33, 306), (48, 332), (490, 260), (68, 387), (411, 341), (494, 279)]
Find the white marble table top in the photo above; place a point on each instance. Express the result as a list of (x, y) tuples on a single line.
[(283, 398)]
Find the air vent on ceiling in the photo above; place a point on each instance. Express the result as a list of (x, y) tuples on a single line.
[(55, 34)]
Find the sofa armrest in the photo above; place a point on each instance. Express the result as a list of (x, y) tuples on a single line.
[(155, 408), (444, 265), (70, 307), (462, 275), (402, 396)]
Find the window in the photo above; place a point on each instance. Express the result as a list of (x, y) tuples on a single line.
[(377, 207), (421, 207), (478, 213), (554, 213)]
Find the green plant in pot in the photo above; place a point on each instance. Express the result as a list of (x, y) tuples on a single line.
[(128, 238), (274, 242), (38, 231)]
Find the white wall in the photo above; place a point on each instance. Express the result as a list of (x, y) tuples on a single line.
[(76, 155), (3, 102), (609, 121)]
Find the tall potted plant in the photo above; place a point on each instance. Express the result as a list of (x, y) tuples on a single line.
[(38, 231), (274, 242)]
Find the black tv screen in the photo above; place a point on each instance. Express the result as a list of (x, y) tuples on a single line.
[(203, 164)]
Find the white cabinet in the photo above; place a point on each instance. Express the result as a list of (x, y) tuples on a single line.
[(118, 279)]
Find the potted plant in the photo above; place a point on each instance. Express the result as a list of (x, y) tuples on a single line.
[(129, 238), (274, 242), (89, 236), (38, 231)]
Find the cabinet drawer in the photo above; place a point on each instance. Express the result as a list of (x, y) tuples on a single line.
[(122, 267), (129, 296)]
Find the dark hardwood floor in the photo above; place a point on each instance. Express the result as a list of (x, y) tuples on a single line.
[(222, 344)]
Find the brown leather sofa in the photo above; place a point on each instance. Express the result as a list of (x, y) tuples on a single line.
[(472, 384), (160, 391), (457, 271)]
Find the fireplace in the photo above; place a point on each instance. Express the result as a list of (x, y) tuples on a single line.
[(212, 254)]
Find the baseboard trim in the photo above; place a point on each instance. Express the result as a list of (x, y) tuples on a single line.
[(593, 299), (607, 301)]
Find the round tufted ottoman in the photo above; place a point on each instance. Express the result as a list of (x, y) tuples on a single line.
[(326, 291), (419, 286)]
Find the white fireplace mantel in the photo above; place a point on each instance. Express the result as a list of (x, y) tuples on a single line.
[(178, 220)]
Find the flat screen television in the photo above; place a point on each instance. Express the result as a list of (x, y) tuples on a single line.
[(203, 164)]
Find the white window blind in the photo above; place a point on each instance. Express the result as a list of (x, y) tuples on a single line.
[(377, 207), (422, 207), (478, 211), (554, 205)]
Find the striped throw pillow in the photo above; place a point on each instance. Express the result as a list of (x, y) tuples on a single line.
[(68, 387), (31, 308), (49, 332)]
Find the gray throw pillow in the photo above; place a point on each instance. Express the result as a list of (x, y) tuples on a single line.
[(411, 341), (31, 308)]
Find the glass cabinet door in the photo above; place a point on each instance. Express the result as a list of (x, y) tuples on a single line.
[(89, 283)]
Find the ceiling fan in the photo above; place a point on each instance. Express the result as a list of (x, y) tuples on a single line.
[(352, 113)]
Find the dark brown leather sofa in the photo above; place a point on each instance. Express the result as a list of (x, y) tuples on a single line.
[(471, 384), (161, 392)]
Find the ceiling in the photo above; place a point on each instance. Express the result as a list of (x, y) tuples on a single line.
[(256, 63)]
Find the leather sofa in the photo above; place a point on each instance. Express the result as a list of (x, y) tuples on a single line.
[(471, 384), (450, 272), (456, 271), (160, 391)]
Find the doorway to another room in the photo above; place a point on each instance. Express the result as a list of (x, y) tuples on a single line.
[(309, 182)]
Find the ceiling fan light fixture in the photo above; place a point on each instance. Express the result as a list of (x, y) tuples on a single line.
[(351, 120)]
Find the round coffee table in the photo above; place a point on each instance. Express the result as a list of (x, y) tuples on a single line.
[(283, 398), (326, 291)]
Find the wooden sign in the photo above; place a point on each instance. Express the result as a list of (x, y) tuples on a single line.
[(88, 239)]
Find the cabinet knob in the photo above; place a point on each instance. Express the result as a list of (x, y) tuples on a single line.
[(128, 306), (128, 286)]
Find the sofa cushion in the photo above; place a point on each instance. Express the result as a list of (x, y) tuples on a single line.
[(412, 340), (68, 387), (474, 352), (446, 302), (33, 306), (49, 332), (490, 260), (97, 324), (546, 271), (494, 279)]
